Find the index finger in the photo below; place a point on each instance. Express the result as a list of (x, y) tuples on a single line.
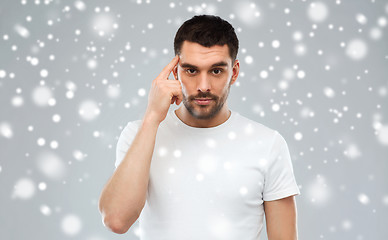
[(167, 69)]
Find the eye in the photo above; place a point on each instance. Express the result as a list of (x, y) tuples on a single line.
[(217, 71), (191, 71)]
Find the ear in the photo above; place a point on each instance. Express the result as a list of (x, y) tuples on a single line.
[(175, 72), (236, 70)]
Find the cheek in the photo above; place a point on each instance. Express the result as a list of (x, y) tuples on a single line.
[(185, 81), (183, 85), (222, 85)]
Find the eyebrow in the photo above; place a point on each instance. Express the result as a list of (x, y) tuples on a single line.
[(218, 64)]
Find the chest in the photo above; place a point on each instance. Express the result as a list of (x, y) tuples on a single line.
[(206, 174)]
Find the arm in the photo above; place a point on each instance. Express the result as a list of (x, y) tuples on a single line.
[(125, 193), (123, 197), (281, 219)]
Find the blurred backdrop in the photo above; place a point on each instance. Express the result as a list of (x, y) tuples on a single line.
[(73, 73)]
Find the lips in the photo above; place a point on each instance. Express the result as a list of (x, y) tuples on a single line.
[(203, 101)]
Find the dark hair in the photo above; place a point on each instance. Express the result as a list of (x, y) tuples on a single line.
[(207, 30)]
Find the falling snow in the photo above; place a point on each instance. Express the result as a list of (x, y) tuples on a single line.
[(73, 73), (24, 189), (71, 224), (317, 11), (356, 49)]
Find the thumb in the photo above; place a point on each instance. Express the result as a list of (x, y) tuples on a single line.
[(179, 98), (178, 101), (173, 99)]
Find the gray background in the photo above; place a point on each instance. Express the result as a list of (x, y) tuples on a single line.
[(325, 92)]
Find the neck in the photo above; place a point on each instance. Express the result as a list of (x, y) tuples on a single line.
[(221, 117)]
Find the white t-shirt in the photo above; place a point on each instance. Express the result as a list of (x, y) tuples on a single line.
[(210, 183)]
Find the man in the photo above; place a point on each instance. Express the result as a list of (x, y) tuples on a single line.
[(202, 171)]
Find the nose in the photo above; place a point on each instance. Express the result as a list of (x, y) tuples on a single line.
[(204, 83)]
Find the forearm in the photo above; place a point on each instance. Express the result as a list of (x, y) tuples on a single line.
[(124, 195)]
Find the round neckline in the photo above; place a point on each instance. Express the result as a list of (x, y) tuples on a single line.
[(220, 127)]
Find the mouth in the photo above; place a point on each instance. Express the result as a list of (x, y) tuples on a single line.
[(203, 101)]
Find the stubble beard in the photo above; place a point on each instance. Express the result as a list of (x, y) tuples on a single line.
[(210, 110)]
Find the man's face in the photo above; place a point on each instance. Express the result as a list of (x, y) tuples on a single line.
[(205, 73)]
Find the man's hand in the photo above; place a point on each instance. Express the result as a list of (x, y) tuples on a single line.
[(163, 93)]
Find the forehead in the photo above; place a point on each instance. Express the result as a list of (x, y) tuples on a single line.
[(198, 55)]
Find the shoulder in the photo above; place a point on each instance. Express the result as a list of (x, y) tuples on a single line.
[(131, 126), (254, 127)]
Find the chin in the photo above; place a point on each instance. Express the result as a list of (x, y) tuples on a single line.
[(206, 112)]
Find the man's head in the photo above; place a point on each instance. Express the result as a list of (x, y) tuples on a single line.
[(207, 47), (207, 30)]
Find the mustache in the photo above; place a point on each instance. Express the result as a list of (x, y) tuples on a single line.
[(204, 95)]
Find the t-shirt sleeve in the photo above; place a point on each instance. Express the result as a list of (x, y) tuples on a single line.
[(279, 181), (125, 140)]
